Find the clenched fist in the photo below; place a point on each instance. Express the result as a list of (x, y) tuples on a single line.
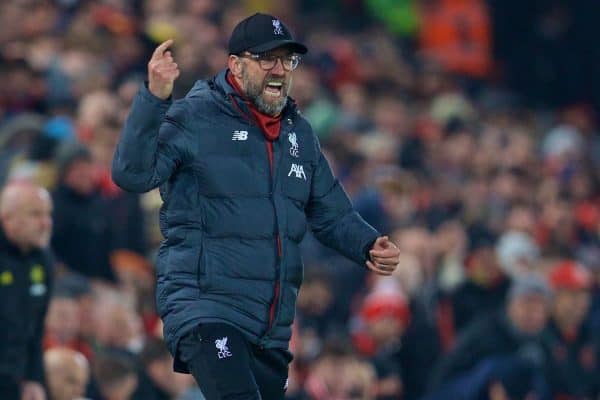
[(385, 256), (162, 71)]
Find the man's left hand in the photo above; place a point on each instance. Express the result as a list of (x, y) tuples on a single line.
[(32, 391), (385, 256)]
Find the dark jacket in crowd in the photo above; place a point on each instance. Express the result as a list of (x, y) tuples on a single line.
[(25, 282), (420, 350), (520, 378), (130, 231), (470, 301), (82, 236), (148, 390), (574, 368), (489, 336), (232, 226)]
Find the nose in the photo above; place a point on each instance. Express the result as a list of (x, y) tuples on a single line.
[(278, 68)]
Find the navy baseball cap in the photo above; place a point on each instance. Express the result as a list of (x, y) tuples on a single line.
[(262, 32)]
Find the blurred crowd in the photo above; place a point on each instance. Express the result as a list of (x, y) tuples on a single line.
[(467, 130)]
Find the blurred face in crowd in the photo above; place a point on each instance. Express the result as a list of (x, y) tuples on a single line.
[(521, 218), (26, 215), (122, 389), (341, 377), (80, 177), (86, 315), (386, 330), (315, 297), (266, 79), (62, 321), (117, 325), (483, 267), (104, 143), (570, 307), (416, 241), (529, 313), (67, 373)]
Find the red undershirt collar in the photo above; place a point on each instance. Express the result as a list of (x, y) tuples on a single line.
[(270, 126)]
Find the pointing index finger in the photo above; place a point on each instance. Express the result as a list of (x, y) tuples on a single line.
[(158, 52)]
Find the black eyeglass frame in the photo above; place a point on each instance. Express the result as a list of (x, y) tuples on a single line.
[(268, 61)]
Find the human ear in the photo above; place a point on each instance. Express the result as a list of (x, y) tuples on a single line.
[(235, 66)]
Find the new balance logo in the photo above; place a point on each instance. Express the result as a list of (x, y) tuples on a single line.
[(298, 170), (239, 135), (223, 350)]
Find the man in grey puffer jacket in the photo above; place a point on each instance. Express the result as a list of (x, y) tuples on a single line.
[(241, 174)]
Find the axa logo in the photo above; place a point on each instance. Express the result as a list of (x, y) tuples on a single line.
[(240, 135), (298, 170), (222, 349)]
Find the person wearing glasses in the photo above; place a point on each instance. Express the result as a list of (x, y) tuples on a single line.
[(241, 175)]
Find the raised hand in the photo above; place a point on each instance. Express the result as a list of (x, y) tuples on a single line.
[(162, 71), (385, 256)]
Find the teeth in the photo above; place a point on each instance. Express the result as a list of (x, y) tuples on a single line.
[(278, 84)]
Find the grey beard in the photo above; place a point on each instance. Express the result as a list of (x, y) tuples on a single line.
[(255, 94), (271, 109)]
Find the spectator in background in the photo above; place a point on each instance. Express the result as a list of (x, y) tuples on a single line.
[(516, 329), (316, 315), (385, 316), (25, 279), (82, 237), (63, 323), (496, 378), (156, 378), (114, 375), (67, 373), (485, 287), (574, 369), (339, 374), (16, 139), (125, 207), (78, 288), (116, 323), (517, 253), (590, 257), (457, 35)]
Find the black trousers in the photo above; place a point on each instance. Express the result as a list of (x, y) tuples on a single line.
[(228, 367)]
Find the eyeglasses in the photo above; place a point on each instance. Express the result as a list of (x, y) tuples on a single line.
[(268, 61)]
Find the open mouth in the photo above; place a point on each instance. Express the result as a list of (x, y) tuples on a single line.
[(274, 89)]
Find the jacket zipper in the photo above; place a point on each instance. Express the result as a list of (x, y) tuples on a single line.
[(276, 290), (273, 306)]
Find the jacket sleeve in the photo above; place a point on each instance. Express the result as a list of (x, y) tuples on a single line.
[(152, 143), (34, 366), (332, 218)]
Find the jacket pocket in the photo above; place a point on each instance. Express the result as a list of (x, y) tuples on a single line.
[(184, 248)]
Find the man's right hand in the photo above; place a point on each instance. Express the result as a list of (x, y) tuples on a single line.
[(162, 71)]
